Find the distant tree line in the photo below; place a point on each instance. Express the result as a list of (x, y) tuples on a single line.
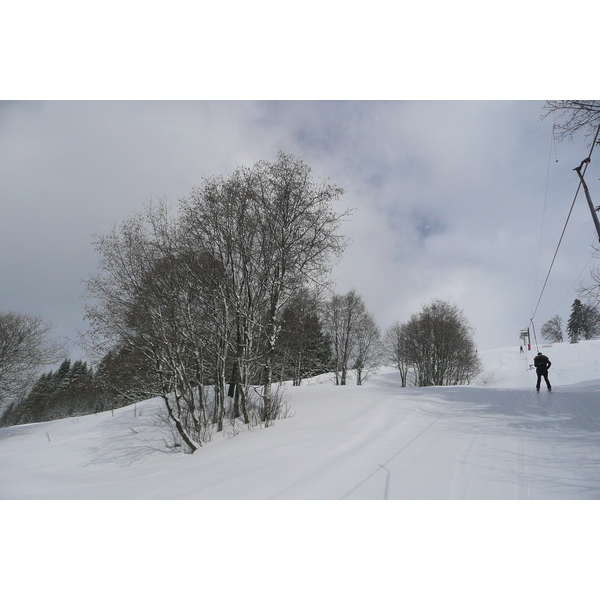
[(583, 324), (75, 389), (339, 336), (56, 394)]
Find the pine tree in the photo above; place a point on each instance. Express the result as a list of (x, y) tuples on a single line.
[(62, 374), (304, 349), (574, 324), (584, 322), (78, 369), (591, 322)]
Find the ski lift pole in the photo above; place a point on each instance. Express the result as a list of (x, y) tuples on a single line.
[(526, 340), (587, 195)]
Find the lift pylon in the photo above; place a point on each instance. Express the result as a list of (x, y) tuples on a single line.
[(587, 195)]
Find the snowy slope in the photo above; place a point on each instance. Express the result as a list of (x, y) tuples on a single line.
[(495, 439), (571, 363)]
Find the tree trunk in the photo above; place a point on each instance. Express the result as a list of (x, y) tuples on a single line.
[(344, 373), (358, 376), (267, 391), (234, 388), (192, 445)]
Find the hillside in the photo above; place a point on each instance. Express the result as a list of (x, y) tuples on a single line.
[(495, 439)]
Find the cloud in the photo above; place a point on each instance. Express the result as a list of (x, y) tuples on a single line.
[(454, 200)]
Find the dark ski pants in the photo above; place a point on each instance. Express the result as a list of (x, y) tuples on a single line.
[(542, 373)]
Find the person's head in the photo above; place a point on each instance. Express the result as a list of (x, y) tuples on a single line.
[(539, 354)]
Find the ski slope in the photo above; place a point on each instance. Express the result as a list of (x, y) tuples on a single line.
[(495, 439)]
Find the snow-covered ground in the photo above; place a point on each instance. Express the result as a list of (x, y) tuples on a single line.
[(495, 439)]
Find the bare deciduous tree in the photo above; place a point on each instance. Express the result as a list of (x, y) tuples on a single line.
[(152, 298), (221, 220), (439, 346), (355, 338), (369, 349), (395, 343), (206, 291), (25, 347), (552, 330), (572, 116), (340, 319), (274, 230)]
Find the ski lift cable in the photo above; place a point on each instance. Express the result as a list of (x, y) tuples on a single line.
[(585, 165), (574, 283), (556, 252), (537, 266)]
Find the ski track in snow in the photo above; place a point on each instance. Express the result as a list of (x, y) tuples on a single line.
[(496, 440)]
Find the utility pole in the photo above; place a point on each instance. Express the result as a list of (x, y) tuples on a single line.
[(524, 335), (587, 195)]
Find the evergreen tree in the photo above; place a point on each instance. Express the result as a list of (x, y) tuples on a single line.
[(584, 322), (61, 377), (78, 369), (64, 369), (74, 390), (304, 349), (591, 322), (575, 324)]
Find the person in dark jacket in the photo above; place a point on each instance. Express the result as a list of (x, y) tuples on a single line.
[(542, 364)]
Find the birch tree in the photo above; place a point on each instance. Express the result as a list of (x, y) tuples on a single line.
[(205, 292), (395, 344), (368, 349), (220, 219), (340, 317), (301, 240), (275, 230), (355, 338), (151, 296)]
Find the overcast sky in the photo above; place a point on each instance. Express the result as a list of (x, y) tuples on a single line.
[(454, 199)]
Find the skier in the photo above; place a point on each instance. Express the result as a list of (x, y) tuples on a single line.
[(542, 364)]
